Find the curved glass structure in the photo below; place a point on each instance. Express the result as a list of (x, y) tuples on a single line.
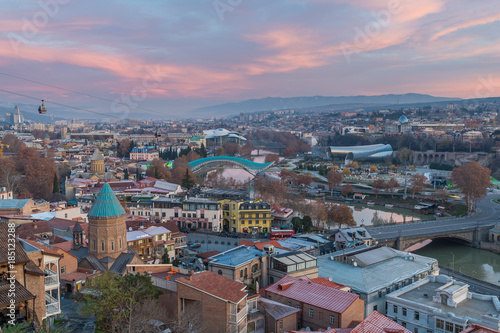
[(245, 164), (352, 153)]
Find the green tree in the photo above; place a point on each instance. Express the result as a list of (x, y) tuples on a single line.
[(55, 188), (125, 174), (187, 180)]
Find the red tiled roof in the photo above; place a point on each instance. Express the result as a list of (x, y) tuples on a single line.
[(205, 255), (475, 328), (327, 283), (54, 239), (76, 276), (216, 285), (303, 290), (61, 224), (66, 246), (28, 230), (378, 323), (260, 245)]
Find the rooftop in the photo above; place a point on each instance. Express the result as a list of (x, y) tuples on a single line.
[(236, 256), (216, 285), (378, 274), (304, 290), (13, 203), (423, 294), (106, 205), (378, 323)]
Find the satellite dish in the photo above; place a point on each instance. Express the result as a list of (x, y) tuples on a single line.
[(355, 264)]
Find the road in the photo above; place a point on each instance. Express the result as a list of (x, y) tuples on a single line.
[(487, 214)]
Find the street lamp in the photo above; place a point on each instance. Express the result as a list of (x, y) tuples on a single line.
[(452, 263)]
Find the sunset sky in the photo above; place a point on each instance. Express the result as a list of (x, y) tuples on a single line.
[(173, 55)]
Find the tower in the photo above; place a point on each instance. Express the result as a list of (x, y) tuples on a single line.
[(77, 236), (97, 162), (64, 132), (46, 139), (107, 228)]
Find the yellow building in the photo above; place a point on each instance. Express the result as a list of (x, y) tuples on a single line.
[(246, 216)]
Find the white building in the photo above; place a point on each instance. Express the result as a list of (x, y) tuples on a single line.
[(439, 304)]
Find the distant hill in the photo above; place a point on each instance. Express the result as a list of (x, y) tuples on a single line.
[(278, 103)]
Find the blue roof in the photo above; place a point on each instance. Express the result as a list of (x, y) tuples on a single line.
[(13, 203), (236, 160), (236, 256), (106, 204)]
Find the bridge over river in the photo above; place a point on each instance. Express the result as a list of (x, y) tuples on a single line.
[(470, 230), (207, 163)]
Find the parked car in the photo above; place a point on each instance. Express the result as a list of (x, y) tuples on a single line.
[(224, 234), (195, 246), (235, 235), (184, 230)]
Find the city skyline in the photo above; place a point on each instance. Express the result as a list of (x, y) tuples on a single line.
[(175, 57)]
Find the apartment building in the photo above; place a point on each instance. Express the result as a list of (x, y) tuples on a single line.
[(374, 272), (439, 304), (246, 216)]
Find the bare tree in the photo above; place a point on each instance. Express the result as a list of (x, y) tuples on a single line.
[(391, 186), (473, 180), (334, 179), (417, 183), (378, 184)]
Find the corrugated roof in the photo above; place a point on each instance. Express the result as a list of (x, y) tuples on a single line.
[(106, 205), (304, 290), (378, 323), (277, 310)]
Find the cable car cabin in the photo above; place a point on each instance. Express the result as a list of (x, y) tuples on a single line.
[(42, 109)]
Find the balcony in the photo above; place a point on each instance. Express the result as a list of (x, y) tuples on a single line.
[(51, 305), (256, 274), (237, 317), (51, 277)]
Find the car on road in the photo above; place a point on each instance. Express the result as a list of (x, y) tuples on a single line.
[(224, 234), (184, 230), (235, 235), (195, 246)]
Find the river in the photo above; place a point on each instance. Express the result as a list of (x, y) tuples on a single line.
[(477, 263)]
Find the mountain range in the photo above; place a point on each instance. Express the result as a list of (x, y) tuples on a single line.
[(279, 103)]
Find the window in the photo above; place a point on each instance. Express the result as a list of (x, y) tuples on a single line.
[(404, 312), (415, 330), (95, 245), (375, 308), (182, 305), (298, 306), (241, 273), (379, 293), (311, 313), (417, 315), (449, 327), (219, 272), (458, 328), (395, 308), (281, 324), (63, 269), (439, 323), (120, 243), (403, 324), (332, 320), (102, 245), (112, 245), (66, 215)]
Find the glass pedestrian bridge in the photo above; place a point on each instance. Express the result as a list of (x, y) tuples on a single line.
[(250, 166)]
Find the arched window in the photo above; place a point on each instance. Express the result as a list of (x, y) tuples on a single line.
[(102, 245), (112, 245), (219, 272)]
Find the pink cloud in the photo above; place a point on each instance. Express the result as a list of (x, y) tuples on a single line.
[(467, 24)]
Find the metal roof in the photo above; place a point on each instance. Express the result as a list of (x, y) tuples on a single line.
[(106, 205), (236, 256), (13, 203)]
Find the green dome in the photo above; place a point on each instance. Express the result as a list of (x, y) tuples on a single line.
[(106, 204)]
